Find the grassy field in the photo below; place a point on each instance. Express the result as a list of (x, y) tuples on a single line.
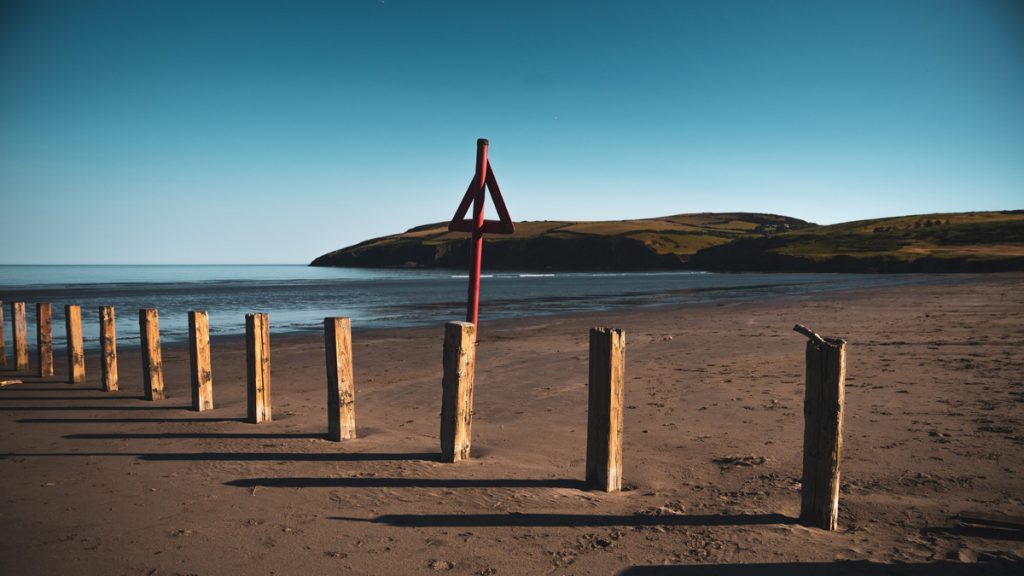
[(682, 235), (960, 235)]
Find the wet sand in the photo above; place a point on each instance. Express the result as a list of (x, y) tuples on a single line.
[(97, 483)]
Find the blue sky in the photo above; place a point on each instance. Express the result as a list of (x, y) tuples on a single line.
[(245, 132)]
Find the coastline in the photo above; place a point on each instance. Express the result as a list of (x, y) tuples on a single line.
[(374, 299), (107, 483)]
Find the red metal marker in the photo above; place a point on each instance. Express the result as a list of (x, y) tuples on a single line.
[(483, 179)]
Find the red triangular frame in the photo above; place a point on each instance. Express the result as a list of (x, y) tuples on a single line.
[(503, 225)]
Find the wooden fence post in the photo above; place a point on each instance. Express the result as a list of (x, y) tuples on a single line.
[(108, 343), (257, 364), (20, 336), (199, 360), (44, 339), (76, 353), (457, 391), (341, 393), (823, 429), (605, 408), (3, 338), (152, 360)]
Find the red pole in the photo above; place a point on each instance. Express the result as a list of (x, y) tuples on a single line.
[(477, 245)]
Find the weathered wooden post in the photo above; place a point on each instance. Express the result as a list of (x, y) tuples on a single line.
[(605, 409), (199, 360), (823, 429), (257, 364), (341, 393), (108, 343), (457, 391), (76, 353), (152, 360), (44, 339), (20, 333), (3, 339)]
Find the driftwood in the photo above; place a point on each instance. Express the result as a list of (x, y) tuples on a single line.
[(812, 335)]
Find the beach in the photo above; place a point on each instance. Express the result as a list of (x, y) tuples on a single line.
[(107, 483)]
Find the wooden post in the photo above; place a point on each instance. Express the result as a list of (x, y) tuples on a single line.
[(823, 429), (3, 339), (457, 391), (44, 339), (341, 393), (152, 361), (605, 408), (76, 354), (199, 360), (20, 336), (108, 342), (257, 364)]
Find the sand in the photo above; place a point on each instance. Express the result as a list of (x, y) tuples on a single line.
[(97, 483)]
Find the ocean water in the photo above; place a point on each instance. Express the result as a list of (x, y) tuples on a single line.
[(298, 297)]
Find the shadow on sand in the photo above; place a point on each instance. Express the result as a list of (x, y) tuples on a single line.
[(87, 408), (565, 520), (363, 482), (293, 457), (245, 457), (987, 532), (841, 568), (122, 420), (112, 396), (198, 436)]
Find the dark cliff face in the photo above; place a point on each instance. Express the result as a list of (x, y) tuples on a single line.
[(539, 253)]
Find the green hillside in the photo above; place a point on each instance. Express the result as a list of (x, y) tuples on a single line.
[(971, 241), (966, 241), (667, 242)]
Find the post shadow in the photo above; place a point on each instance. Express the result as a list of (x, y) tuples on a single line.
[(987, 532), (566, 520), (27, 386), (26, 376), (86, 408), (196, 436), (243, 457), (838, 568), (5, 398), (123, 420), (374, 482)]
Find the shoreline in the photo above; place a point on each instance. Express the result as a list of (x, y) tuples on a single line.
[(506, 323), (92, 342)]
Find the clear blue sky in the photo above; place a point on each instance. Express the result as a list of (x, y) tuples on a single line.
[(236, 132)]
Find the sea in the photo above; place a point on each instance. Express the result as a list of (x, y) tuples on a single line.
[(299, 297)]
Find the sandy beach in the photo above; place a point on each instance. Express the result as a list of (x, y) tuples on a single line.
[(97, 483)]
